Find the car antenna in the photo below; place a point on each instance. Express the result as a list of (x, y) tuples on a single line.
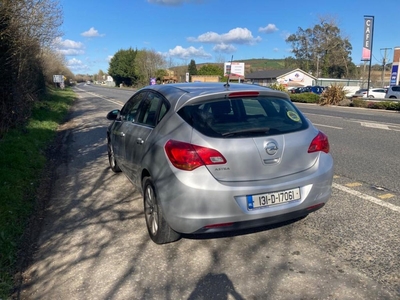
[(229, 74)]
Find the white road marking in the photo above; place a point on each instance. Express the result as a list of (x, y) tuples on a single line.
[(99, 96), (375, 125), (366, 197), (322, 125), (385, 126)]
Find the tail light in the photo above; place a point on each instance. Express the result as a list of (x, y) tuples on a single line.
[(243, 94), (319, 143), (188, 157)]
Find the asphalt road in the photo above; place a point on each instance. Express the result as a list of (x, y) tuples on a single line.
[(94, 244)]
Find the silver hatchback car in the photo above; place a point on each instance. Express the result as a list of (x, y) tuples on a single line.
[(214, 157)]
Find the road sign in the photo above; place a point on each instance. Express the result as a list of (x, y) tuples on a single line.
[(58, 78)]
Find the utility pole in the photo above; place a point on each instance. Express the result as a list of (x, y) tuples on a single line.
[(384, 60)]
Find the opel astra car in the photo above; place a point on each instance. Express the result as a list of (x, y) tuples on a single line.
[(212, 157)]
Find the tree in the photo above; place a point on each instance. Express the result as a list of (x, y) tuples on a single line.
[(290, 62), (122, 67), (54, 64), (322, 50), (100, 76), (160, 74), (192, 69), (211, 69), (27, 29), (147, 62)]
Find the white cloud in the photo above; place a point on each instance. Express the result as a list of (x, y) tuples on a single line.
[(68, 47), (270, 28), (91, 33), (224, 48), (186, 53), (109, 58), (173, 2), (71, 52), (235, 36), (76, 65)]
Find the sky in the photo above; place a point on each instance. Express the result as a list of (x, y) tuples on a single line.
[(210, 31)]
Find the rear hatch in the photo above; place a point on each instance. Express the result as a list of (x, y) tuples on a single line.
[(262, 157), (261, 137)]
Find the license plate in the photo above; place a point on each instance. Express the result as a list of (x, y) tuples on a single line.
[(275, 198)]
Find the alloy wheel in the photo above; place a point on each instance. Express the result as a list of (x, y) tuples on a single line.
[(111, 157), (151, 210)]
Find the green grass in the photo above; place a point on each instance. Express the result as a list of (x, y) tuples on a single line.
[(22, 160)]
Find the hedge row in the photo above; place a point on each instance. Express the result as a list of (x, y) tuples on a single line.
[(313, 98)]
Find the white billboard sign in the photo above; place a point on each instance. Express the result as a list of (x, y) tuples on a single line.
[(234, 69)]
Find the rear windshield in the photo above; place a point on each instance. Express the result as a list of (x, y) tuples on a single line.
[(244, 117)]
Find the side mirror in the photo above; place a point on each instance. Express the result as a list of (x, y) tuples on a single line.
[(113, 115)]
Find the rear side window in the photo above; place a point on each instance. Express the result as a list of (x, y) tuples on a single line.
[(396, 88), (244, 117)]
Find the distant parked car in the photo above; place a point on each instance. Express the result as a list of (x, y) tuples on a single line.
[(211, 157), (379, 93), (297, 90), (316, 89), (309, 89), (393, 92)]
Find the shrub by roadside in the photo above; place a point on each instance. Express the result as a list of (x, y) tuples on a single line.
[(22, 162), (305, 98), (389, 105), (335, 95)]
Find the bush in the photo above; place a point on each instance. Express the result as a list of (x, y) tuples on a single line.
[(278, 87), (388, 105), (333, 95), (359, 103), (305, 97)]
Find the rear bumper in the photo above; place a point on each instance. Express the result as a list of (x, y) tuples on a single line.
[(260, 222), (194, 202)]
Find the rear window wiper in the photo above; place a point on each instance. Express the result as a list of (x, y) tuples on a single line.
[(264, 130)]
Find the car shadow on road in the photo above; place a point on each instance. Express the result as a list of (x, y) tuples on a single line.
[(239, 232), (215, 286)]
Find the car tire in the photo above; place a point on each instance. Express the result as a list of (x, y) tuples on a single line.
[(111, 158), (159, 230)]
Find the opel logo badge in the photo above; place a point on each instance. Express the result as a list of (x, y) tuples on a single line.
[(271, 148)]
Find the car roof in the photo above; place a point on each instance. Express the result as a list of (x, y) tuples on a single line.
[(179, 93)]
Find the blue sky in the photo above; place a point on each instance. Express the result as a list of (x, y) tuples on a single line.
[(213, 30)]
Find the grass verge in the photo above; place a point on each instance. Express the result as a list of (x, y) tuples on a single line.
[(22, 161)]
